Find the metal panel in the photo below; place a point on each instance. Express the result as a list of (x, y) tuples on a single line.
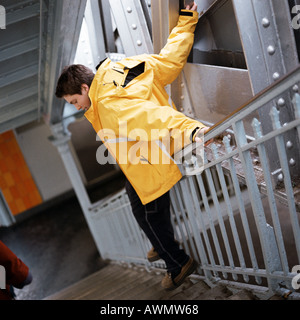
[(132, 26), (270, 50), (165, 14), (61, 50), (201, 91), (106, 19), (212, 96), (217, 40), (94, 26)]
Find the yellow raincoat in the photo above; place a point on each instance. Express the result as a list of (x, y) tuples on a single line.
[(136, 122)]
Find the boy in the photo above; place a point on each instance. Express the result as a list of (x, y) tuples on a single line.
[(129, 109)]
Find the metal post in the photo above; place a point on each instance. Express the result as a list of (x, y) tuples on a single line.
[(60, 139), (286, 178), (265, 231), (271, 52)]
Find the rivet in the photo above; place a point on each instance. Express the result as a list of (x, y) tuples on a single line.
[(129, 10), (276, 76), (271, 50), (265, 22), (134, 26), (292, 162), (280, 177), (281, 102), (139, 43), (289, 144), (182, 85), (256, 161), (182, 97), (295, 88)]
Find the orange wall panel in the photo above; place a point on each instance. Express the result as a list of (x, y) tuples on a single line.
[(16, 182)]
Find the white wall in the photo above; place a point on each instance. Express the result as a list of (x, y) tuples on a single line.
[(43, 160)]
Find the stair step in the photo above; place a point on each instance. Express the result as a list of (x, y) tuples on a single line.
[(219, 292), (133, 290), (242, 295), (197, 290), (115, 282)]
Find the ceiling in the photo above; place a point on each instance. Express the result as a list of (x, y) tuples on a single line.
[(43, 36), (40, 37)]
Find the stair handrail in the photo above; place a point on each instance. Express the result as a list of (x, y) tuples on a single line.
[(260, 99)]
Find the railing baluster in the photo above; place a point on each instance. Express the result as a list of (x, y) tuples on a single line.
[(230, 214), (237, 190), (111, 215), (187, 204), (271, 197), (174, 223), (134, 230), (198, 214), (211, 223), (265, 232), (191, 209), (178, 208), (217, 207)]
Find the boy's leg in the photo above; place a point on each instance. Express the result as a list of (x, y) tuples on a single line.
[(154, 220)]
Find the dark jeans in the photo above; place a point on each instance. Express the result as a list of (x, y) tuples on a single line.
[(154, 220)]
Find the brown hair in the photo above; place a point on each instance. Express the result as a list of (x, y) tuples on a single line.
[(72, 78)]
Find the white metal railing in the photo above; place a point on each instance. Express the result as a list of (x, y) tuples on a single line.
[(229, 217)]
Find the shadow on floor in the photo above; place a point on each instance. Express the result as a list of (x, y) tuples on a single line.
[(57, 246)]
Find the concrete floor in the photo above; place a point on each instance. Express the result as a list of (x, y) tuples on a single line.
[(57, 245)]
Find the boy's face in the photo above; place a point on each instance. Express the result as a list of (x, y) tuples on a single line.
[(80, 101)]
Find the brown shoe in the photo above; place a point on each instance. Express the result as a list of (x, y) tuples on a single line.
[(170, 284), (152, 255)]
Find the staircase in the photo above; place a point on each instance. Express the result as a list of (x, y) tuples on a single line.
[(116, 282)]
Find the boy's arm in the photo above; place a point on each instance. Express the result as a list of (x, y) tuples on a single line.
[(151, 122), (17, 271), (168, 64)]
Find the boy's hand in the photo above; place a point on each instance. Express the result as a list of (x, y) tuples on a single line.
[(201, 134), (192, 6)]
